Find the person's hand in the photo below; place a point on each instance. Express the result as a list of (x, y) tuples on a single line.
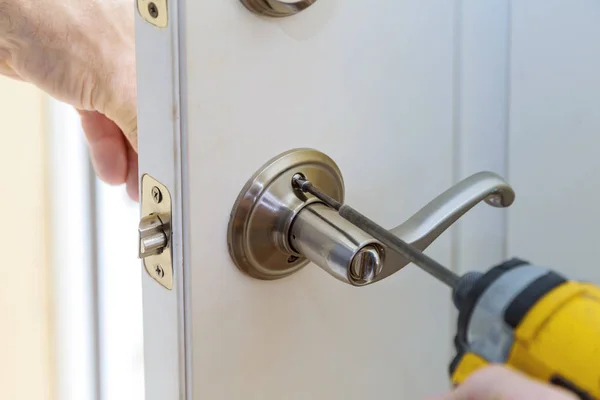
[(500, 383), (81, 52)]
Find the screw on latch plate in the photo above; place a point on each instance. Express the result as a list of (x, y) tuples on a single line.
[(155, 231), (156, 194), (154, 12)]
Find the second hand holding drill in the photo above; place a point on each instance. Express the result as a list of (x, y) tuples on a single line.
[(521, 315)]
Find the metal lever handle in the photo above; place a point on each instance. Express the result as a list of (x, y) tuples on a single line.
[(334, 243), (277, 227), (432, 220)]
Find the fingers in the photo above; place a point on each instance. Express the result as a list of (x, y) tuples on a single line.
[(500, 383), (114, 159), (108, 148)]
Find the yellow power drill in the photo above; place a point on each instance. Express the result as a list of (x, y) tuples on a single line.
[(530, 319), (524, 316)]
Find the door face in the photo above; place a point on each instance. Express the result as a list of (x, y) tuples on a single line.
[(373, 85)]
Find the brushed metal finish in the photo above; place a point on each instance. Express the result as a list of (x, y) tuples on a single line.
[(153, 238), (431, 221), (367, 264), (155, 232), (291, 212), (277, 8), (260, 221), (344, 251), (403, 244)]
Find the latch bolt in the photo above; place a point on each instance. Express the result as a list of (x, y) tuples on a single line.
[(153, 238), (155, 229)]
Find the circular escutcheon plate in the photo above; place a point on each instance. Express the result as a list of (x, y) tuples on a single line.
[(277, 8), (263, 213)]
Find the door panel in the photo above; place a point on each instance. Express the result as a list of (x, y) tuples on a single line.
[(372, 88), (376, 88), (481, 123), (554, 141)]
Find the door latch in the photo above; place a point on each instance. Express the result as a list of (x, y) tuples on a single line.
[(276, 228), (155, 231)]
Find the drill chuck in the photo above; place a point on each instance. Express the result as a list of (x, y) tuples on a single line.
[(463, 288)]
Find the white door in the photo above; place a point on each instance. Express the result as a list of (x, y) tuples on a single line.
[(399, 94)]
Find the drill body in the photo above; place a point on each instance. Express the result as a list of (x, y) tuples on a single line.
[(533, 320)]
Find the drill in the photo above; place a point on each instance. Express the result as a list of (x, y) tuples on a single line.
[(524, 316), (531, 319)]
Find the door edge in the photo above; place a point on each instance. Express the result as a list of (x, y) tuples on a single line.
[(160, 156)]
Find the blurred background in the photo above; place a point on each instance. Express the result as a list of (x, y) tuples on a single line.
[(71, 311)]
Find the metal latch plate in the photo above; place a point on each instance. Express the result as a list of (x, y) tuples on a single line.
[(156, 202), (154, 12)]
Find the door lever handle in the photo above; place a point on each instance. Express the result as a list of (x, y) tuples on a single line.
[(375, 261), (431, 221), (276, 228)]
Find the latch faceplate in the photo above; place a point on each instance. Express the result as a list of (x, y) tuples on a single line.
[(155, 231), (154, 12)]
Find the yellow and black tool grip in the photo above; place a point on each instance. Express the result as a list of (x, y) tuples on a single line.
[(556, 339), (464, 366)]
